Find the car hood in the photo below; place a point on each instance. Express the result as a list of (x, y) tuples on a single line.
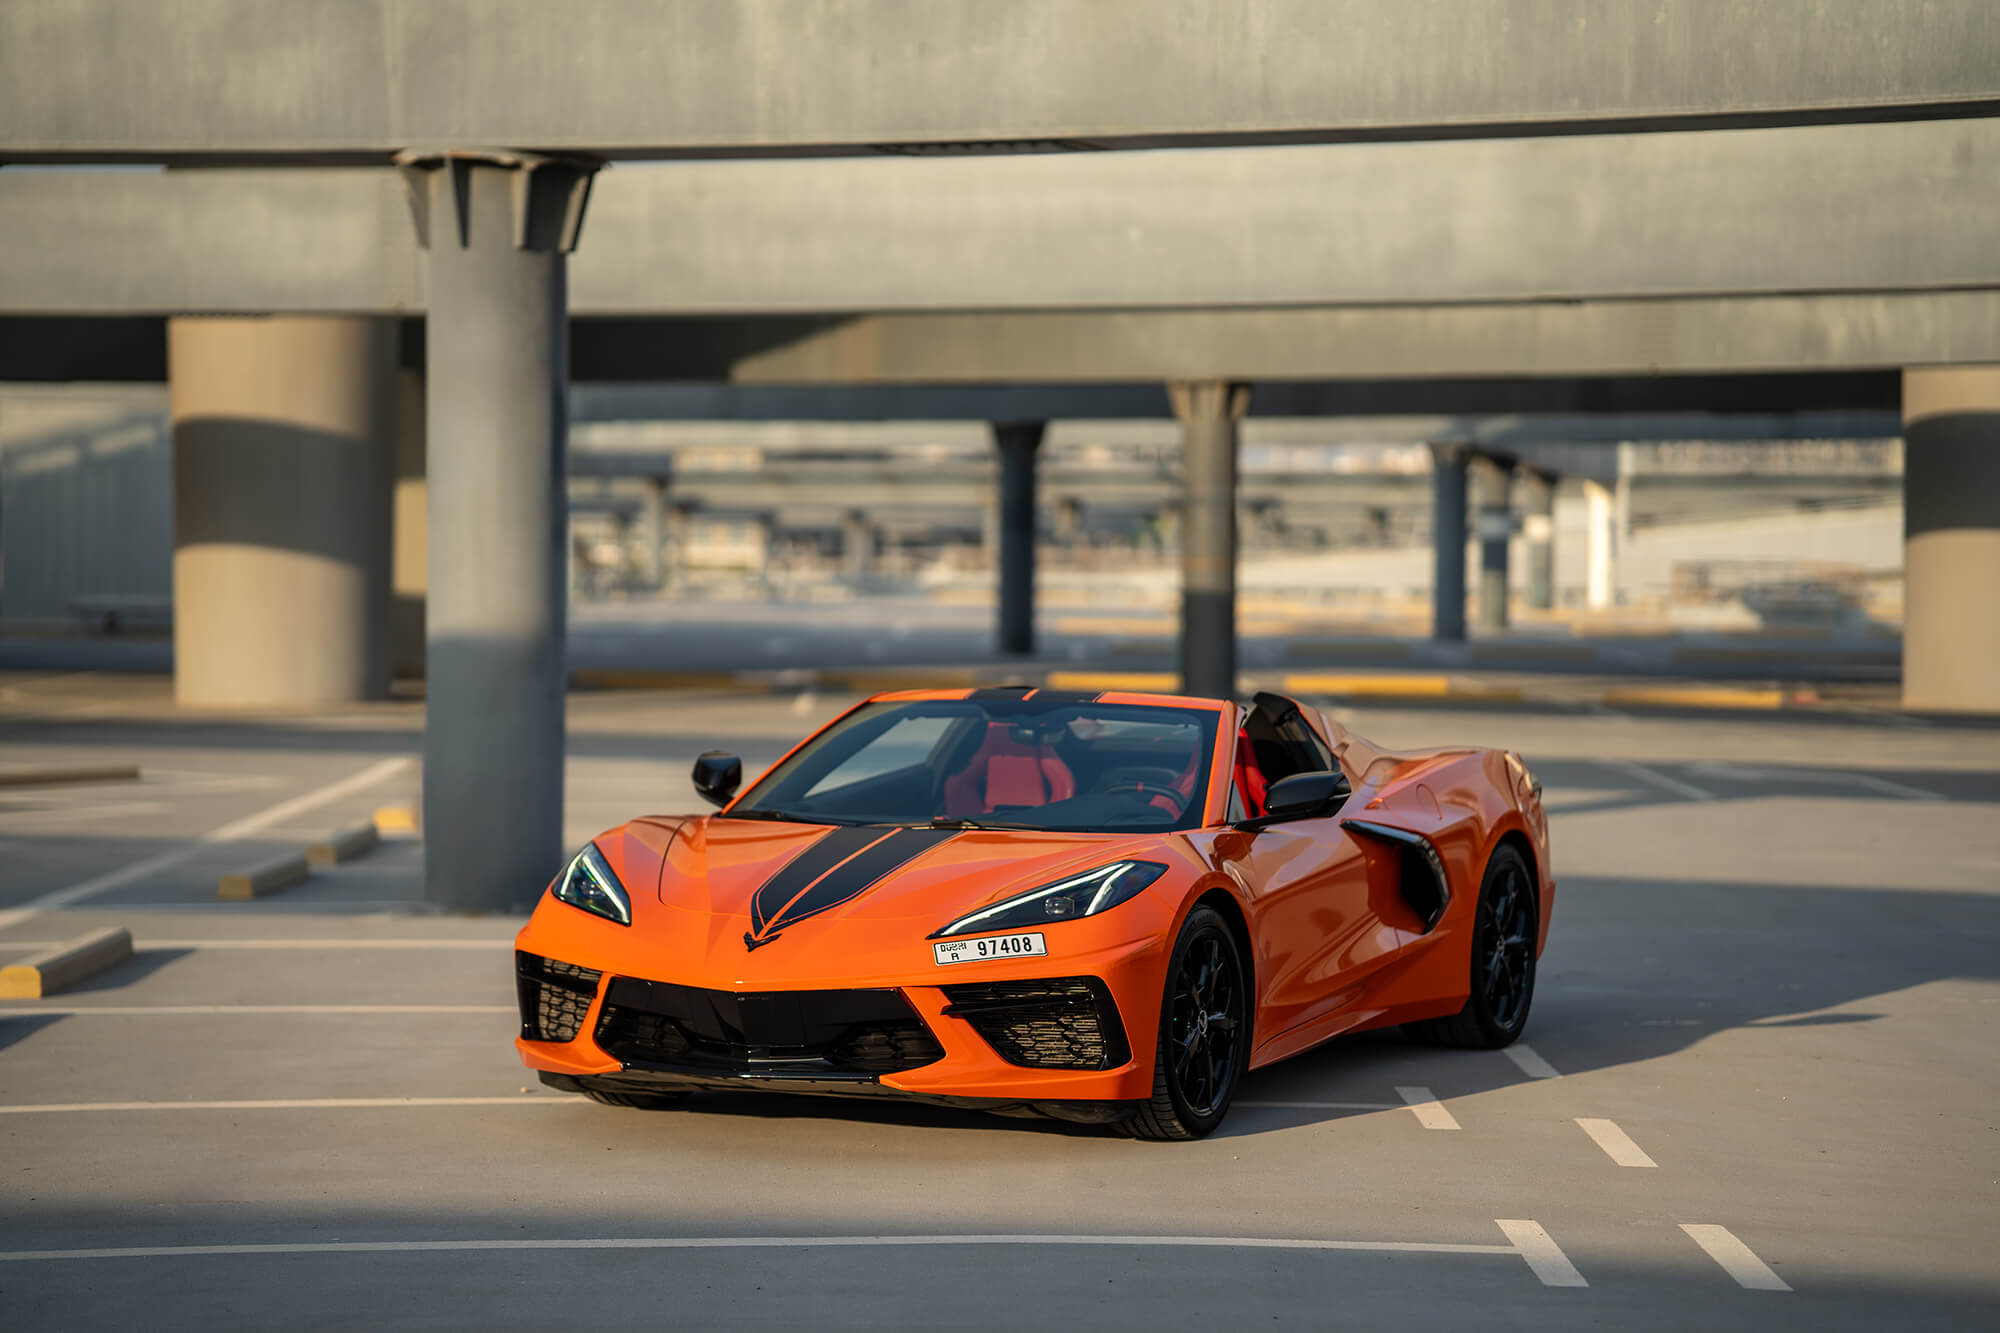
[(773, 876)]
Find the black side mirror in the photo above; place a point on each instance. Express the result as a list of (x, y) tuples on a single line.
[(717, 776), (1301, 796)]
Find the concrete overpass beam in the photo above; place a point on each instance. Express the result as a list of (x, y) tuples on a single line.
[(1448, 486), (1951, 538), (498, 228), (281, 433), (1018, 443), (1495, 525), (1210, 412)]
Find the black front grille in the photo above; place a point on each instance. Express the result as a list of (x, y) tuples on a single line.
[(850, 1033), (554, 996), (1058, 1023)]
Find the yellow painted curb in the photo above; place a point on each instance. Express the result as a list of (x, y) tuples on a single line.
[(344, 845), (65, 964), (1140, 682), (392, 819), (1693, 697), (595, 679), (263, 879), (68, 773), (1387, 687), (882, 681)]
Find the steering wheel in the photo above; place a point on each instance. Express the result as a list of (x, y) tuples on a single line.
[(1150, 790)]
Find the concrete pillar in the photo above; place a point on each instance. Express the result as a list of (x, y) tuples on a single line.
[(1951, 539), (409, 579), (857, 545), (498, 228), (1600, 547), (1538, 531), (652, 528), (1448, 482), (1495, 527), (281, 431), (1210, 412), (1017, 443)]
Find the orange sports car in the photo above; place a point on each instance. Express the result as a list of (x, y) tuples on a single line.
[(1097, 907)]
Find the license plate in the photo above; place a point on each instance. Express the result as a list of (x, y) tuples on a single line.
[(990, 947)]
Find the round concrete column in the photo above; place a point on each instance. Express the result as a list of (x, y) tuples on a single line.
[(1538, 528), (1496, 530), (1017, 443), (1209, 413), (1448, 483), (409, 577), (498, 227), (1951, 539), (282, 432)]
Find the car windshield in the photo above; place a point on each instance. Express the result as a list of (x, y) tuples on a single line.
[(1056, 763)]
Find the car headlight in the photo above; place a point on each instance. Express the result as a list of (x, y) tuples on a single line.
[(587, 882), (1087, 894)]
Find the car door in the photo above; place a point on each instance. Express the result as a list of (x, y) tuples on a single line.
[(1327, 909)]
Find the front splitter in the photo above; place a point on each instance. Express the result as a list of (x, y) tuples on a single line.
[(633, 1079)]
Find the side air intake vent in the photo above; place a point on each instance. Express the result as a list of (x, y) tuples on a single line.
[(554, 996), (1059, 1023)]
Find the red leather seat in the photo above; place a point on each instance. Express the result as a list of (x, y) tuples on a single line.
[(1250, 784), (1003, 771)]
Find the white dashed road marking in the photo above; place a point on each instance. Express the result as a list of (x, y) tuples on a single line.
[(1543, 1255), (1736, 1258), (1427, 1108), (1529, 1061), (1617, 1144), (246, 827)]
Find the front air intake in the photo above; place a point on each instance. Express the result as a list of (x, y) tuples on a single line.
[(554, 996), (1058, 1023)]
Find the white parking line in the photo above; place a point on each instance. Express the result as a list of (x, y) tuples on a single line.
[(287, 1104), (1543, 1255), (1529, 1061), (141, 946), (1662, 781), (1427, 1108), (233, 1010), (1737, 1259), (1529, 1242), (1889, 787), (1617, 1144), (231, 832)]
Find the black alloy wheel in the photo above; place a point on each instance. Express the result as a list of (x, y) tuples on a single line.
[(1504, 929), (1204, 1043)]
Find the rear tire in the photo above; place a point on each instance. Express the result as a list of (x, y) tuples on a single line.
[(1506, 925), (1204, 1042), (640, 1101)]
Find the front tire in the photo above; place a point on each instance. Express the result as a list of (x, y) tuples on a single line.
[(1504, 930), (1204, 1042)]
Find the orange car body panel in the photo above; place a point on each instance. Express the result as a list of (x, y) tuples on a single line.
[(1333, 946)]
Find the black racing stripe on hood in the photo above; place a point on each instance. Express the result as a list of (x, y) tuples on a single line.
[(844, 882), (826, 852)]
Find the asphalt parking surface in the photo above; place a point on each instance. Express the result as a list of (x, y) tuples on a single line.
[(1759, 1086)]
